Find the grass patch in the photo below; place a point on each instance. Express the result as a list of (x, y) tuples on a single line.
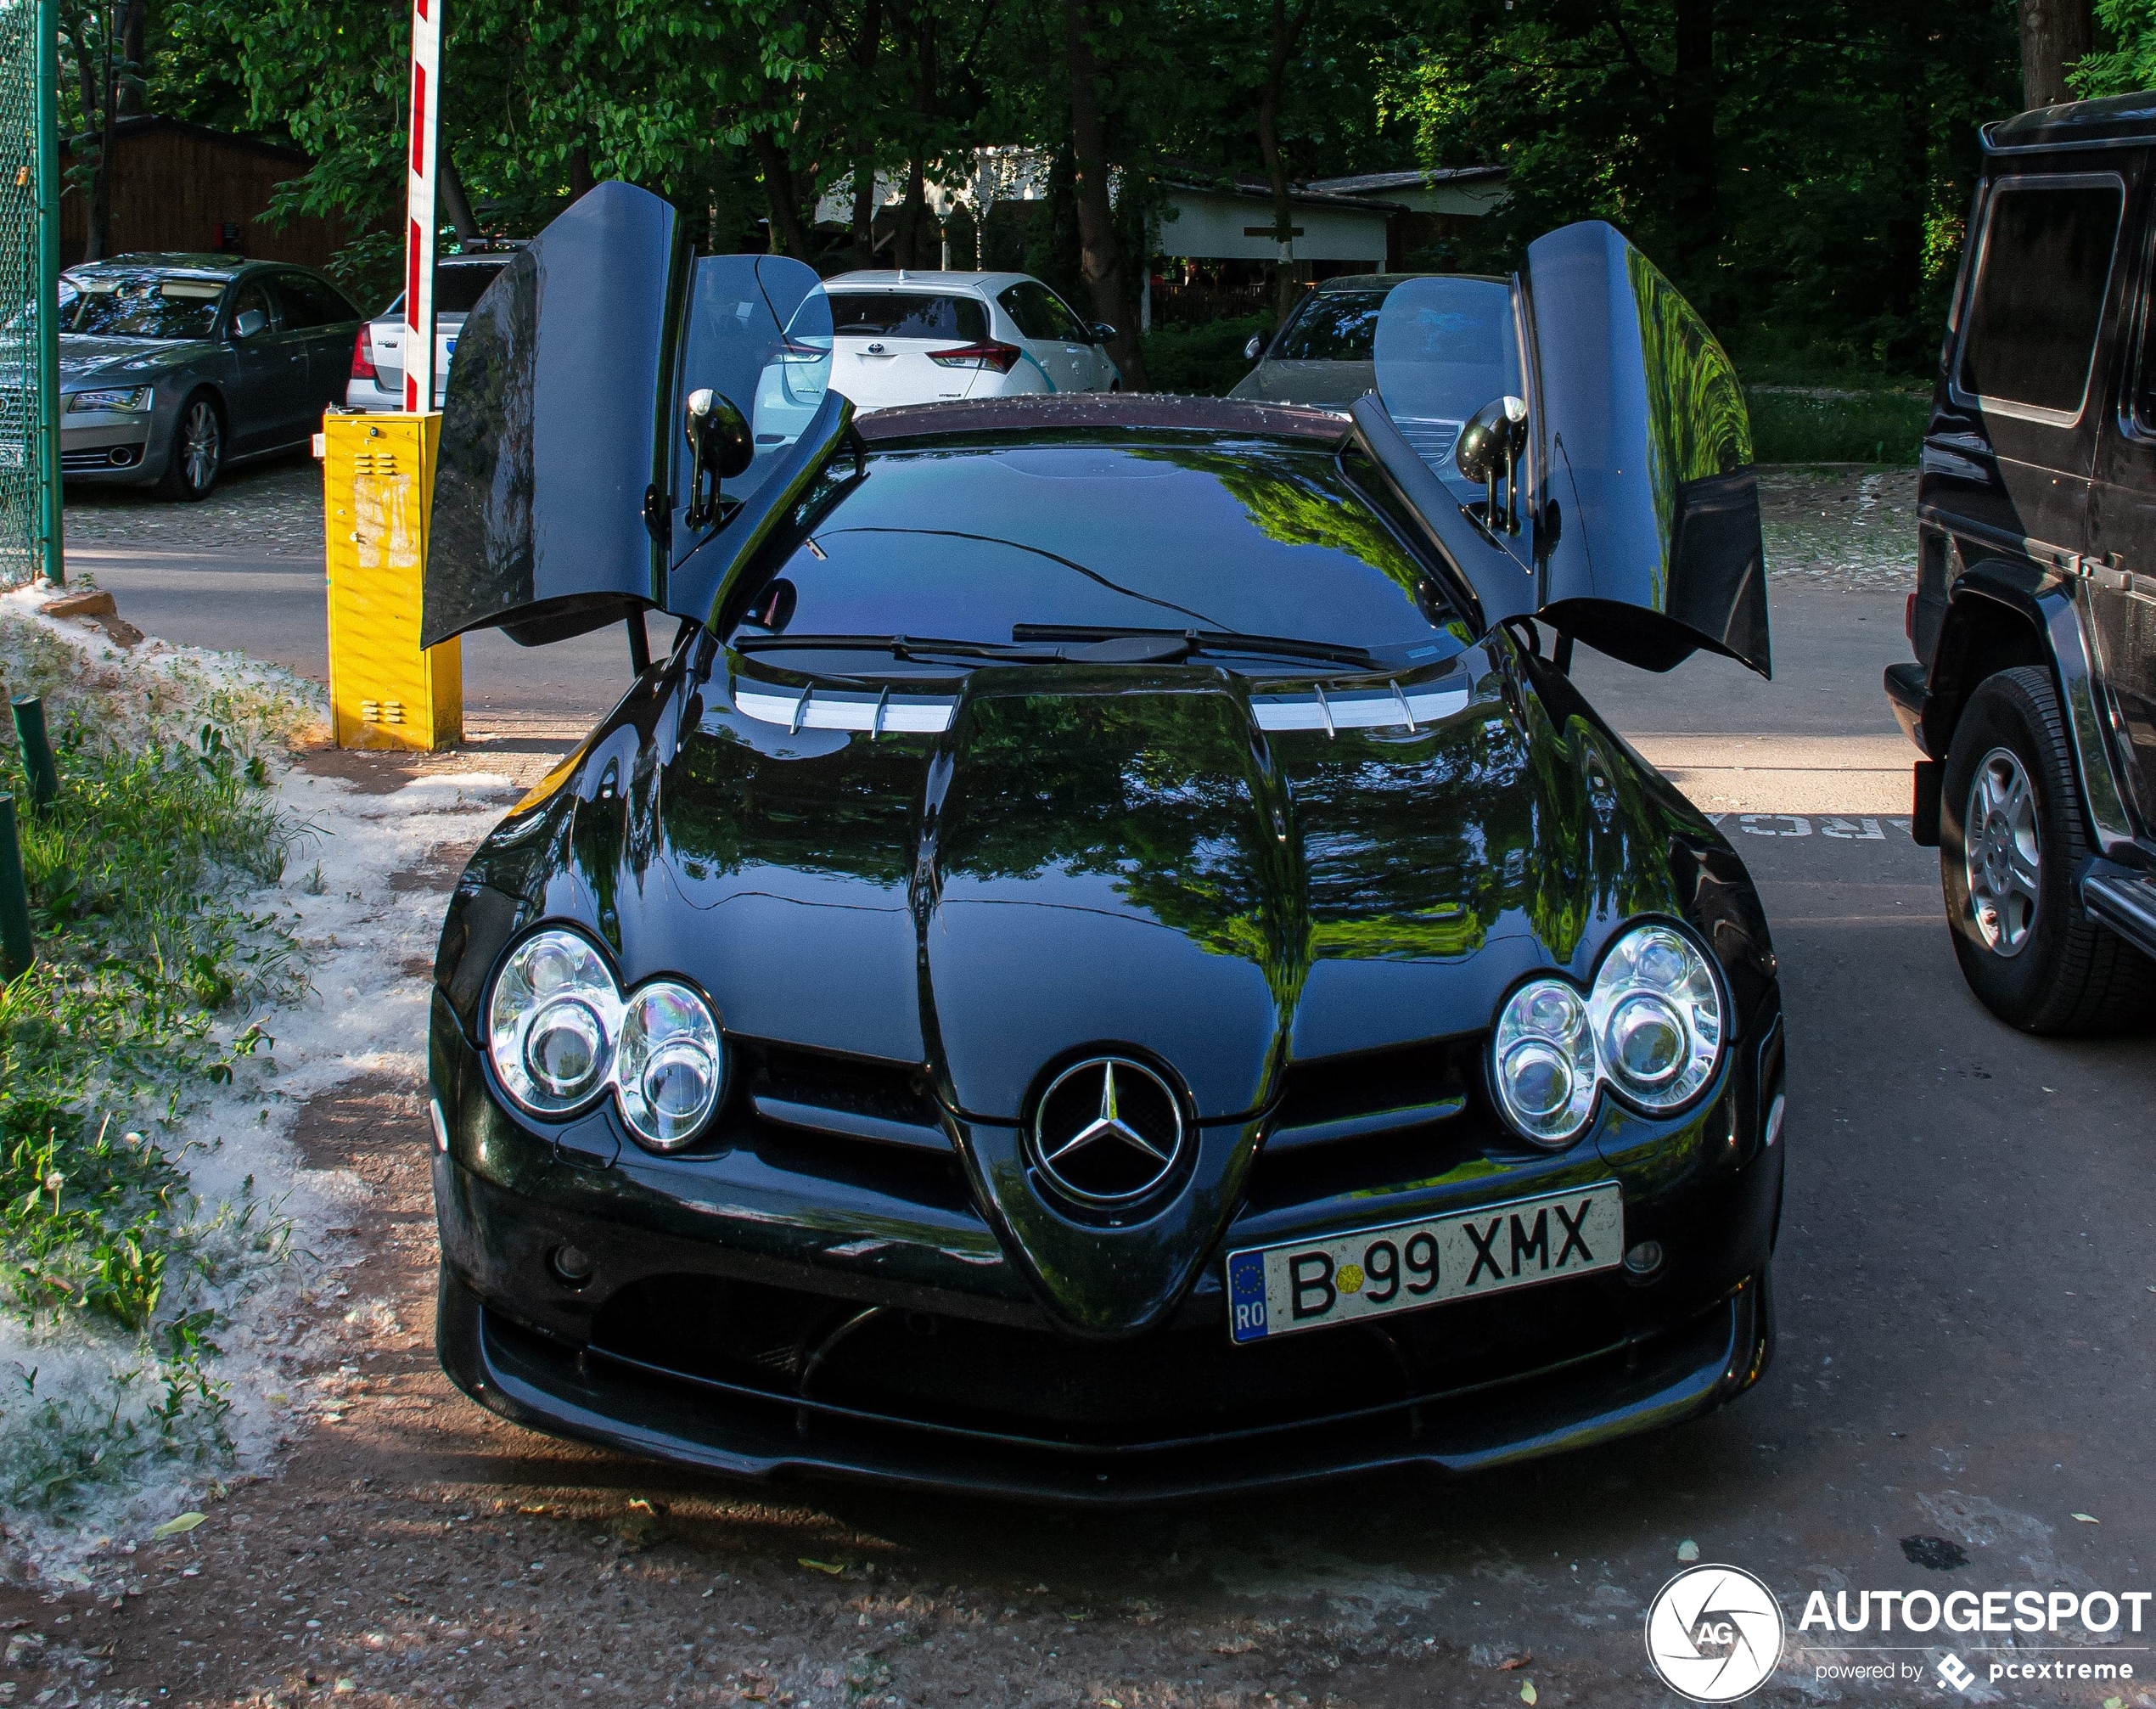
[(1199, 360), (151, 963), (1823, 424)]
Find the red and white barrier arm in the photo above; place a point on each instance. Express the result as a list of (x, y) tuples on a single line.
[(419, 205)]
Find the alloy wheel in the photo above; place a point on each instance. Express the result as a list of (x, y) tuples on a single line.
[(200, 445), (2000, 850)]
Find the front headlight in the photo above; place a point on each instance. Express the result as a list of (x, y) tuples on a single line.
[(667, 1074), (560, 1033), (1657, 1013), (127, 397), (1650, 1029), (551, 1025)]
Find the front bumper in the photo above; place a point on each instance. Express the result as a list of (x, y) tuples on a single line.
[(107, 445), (639, 1406)]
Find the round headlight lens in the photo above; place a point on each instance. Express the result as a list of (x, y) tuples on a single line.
[(550, 1022), (1658, 1016), (1544, 1055), (671, 1071)]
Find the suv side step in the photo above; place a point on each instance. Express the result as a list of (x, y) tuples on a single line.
[(2123, 899)]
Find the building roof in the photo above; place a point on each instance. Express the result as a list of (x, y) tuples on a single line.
[(2112, 121), (1414, 178), (1257, 189), (148, 124)]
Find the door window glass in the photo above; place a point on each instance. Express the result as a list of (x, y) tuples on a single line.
[(1040, 313), (256, 295), (309, 302), (2038, 301), (1332, 326), (909, 314)]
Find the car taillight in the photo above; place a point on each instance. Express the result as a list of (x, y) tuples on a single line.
[(1909, 620), (1002, 358), (363, 354)]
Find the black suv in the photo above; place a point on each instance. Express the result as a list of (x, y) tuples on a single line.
[(2034, 613)]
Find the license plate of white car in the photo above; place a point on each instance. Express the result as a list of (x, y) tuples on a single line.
[(1310, 1285)]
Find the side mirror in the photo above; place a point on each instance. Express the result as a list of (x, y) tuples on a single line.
[(1489, 445), (248, 323), (720, 447), (1102, 332), (1255, 348)]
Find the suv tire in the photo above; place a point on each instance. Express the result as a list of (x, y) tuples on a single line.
[(198, 455), (2012, 839)]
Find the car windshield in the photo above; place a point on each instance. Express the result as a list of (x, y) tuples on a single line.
[(141, 305), (909, 314), (1332, 326), (985, 545)]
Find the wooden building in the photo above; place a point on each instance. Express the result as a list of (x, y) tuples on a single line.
[(182, 187)]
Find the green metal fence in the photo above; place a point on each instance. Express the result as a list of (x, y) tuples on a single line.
[(29, 530)]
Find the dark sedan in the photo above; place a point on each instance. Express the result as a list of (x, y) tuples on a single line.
[(1110, 959), (174, 367)]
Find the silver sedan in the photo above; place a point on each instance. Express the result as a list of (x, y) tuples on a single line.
[(174, 366)]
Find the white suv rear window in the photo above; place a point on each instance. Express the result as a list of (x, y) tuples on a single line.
[(909, 314)]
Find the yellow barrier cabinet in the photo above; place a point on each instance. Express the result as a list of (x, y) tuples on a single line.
[(378, 478)]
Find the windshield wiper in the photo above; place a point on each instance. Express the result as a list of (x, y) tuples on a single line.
[(1200, 641), (899, 646)]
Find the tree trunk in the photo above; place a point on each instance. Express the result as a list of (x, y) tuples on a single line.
[(1100, 256), (787, 236), (134, 23), (98, 226), (864, 216), (454, 200), (2054, 34), (1281, 39), (913, 219), (580, 180), (1691, 146)]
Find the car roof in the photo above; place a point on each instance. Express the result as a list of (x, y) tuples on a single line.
[(979, 284), (2114, 122), (207, 265), (1084, 415), (1387, 281)]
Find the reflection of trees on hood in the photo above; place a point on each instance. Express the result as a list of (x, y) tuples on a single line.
[(1398, 846)]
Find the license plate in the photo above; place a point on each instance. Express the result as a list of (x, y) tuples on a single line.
[(1308, 1285)]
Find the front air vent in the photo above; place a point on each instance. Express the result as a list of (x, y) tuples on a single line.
[(1371, 1093), (855, 1097)]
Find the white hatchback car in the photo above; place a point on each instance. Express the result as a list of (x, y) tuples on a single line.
[(377, 381), (922, 337)]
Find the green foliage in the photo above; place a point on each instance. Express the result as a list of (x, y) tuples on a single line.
[(2129, 63), (1821, 425), (147, 967), (1204, 360)]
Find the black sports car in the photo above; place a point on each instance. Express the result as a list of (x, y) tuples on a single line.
[(1106, 960)]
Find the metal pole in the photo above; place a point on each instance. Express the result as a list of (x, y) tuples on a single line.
[(420, 170), (17, 952), (36, 749), (51, 553)]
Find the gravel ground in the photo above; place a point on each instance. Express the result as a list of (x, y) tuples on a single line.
[(271, 509)]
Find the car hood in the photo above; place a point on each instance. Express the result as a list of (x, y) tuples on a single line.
[(85, 358), (1131, 859), (1328, 384)]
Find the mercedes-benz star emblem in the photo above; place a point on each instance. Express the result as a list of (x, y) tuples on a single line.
[(1108, 1129)]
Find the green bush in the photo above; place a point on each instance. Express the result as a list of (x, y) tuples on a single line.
[(148, 967), (1798, 424), (1202, 361)]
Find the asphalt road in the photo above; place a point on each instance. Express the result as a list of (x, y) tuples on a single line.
[(1966, 1283)]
